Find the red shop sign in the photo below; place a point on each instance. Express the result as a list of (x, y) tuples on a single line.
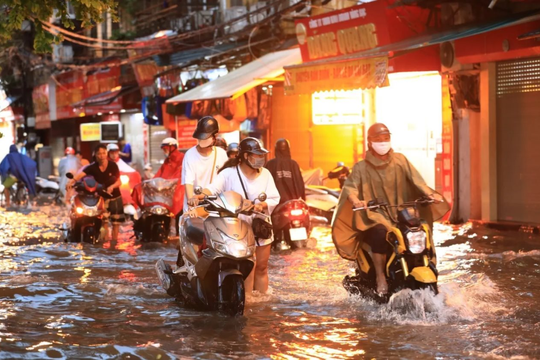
[(354, 29), (69, 90), (40, 98)]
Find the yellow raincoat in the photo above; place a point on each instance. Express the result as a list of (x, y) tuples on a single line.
[(394, 180)]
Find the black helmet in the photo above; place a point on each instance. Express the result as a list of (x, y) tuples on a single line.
[(252, 146), (283, 148), (232, 149), (220, 142), (378, 129), (206, 127)]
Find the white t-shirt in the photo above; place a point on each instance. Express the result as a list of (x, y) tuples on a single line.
[(197, 169), (228, 180)]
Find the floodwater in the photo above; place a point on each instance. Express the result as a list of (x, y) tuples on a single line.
[(73, 301)]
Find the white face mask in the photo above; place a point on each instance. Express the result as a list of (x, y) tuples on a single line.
[(381, 148), (257, 163), (206, 142)]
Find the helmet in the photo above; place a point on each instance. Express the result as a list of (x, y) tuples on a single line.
[(169, 142), (206, 127), (283, 145), (252, 146), (232, 149), (112, 147), (378, 129), (69, 151), (220, 142)]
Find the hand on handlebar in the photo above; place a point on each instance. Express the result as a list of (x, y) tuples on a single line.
[(359, 204), (194, 201), (436, 197)]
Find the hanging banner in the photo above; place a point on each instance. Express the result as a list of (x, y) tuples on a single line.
[(102, 81), (40, 98), (69, 90), (347, 75)]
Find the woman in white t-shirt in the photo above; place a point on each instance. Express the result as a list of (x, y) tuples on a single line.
[(246, 175)]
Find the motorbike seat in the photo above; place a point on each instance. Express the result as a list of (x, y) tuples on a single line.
[(195, 230)]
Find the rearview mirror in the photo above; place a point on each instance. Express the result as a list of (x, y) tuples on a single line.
[(197, 190), (69, 175), (262, 197)]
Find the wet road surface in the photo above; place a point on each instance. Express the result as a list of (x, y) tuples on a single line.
[(69, 301)]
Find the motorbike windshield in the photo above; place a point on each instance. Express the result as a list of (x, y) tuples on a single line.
[(89, 200), (230, 201), (159, 190)]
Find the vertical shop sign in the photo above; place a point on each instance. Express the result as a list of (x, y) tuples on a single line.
[(40, 98)]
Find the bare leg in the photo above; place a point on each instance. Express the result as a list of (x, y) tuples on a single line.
[(261, 269), (115, 231), (7, 197), (248, 284), (379, 260)]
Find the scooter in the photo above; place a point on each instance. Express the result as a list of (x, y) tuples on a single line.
[(322, 200), (217, 256), (291, 223), (87, 209), (49, 189), (154, 223), (411, 257)]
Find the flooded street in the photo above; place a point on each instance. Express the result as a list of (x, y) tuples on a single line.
[(71, 301)]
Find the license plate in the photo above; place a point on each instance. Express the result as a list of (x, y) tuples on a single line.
[(298, 234)]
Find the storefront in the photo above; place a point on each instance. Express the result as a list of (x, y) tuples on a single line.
[(241, 100), (351, 81), (505, 180)]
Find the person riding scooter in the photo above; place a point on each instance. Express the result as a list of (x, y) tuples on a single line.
[(382, 175), (129, 177), (69, 163), (172, 170), (232, 150)]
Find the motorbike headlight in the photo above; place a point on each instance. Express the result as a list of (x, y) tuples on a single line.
[(158, 210), (417, 241), (236, 248)]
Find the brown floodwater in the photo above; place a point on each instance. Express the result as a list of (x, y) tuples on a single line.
[(73, 301)]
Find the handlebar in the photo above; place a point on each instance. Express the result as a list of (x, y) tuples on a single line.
[(420, 201)]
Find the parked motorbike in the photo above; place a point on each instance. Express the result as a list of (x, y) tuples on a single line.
[(217, 256), (48, 189), (291, 225), (87, 209), (411, 256), (322, 200), (155, 203)]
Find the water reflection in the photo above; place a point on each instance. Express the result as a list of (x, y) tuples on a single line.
[(83, 301)]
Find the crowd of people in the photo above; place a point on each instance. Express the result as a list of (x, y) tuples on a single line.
[(216, 166)]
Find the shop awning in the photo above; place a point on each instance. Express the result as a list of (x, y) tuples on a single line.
[(241, 80), (107, 97), (304, 78)]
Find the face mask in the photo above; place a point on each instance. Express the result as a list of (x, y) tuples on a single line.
[(257, 163), (206, 143), (381, 148)]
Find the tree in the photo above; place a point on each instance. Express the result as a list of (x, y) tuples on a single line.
[(14, 12)]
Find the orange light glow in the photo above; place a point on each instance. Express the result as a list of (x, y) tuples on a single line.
[(124, 179), (79, 210)]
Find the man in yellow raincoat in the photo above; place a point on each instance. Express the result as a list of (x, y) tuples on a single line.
[(388, 176)]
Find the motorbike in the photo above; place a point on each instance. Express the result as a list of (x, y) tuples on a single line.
[(49, 189), (291, 223), (216, 256), (411, 256), (322, 200), (153, 225), (87, 209)]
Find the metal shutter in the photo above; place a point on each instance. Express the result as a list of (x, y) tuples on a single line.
[(156, 134), (518, 140)]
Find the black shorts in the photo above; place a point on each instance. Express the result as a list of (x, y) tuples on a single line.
[(116, 209), (375, 237)]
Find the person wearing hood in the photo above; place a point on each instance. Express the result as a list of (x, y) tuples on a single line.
[(286, 173), (69, 163), (390, 177), (17, 167)]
